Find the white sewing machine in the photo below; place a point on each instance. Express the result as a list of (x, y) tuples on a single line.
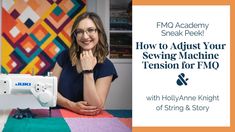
[(44, 88)]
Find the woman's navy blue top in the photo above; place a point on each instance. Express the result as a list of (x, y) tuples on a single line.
[(70, 83)]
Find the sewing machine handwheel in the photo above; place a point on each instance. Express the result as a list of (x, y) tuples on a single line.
[(45, 97)]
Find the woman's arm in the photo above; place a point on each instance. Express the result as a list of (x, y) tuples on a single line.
[(80, 107), (95, 92)]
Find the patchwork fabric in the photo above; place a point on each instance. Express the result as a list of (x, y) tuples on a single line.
[(64, 120), (68, 114), (97, 125), (34, 32), (36, 125)]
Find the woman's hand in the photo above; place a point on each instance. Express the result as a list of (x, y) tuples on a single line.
[(83, 108), (88, 61)]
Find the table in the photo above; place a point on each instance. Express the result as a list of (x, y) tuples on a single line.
[(62, 120)]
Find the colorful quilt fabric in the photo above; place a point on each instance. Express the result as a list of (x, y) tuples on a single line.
[(64, 120), (34, 32), (36, 125)]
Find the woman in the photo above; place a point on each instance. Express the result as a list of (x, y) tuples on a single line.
[(84, 73)]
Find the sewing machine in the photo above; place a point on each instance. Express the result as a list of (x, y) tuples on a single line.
[(43, 88)]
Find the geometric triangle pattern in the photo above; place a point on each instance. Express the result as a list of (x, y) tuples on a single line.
[(34, 32)]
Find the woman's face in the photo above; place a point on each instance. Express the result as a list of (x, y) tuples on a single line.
[(87, 34)]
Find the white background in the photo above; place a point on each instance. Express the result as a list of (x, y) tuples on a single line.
[(147, 82)]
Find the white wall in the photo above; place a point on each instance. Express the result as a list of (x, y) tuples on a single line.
[(120, 94)]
